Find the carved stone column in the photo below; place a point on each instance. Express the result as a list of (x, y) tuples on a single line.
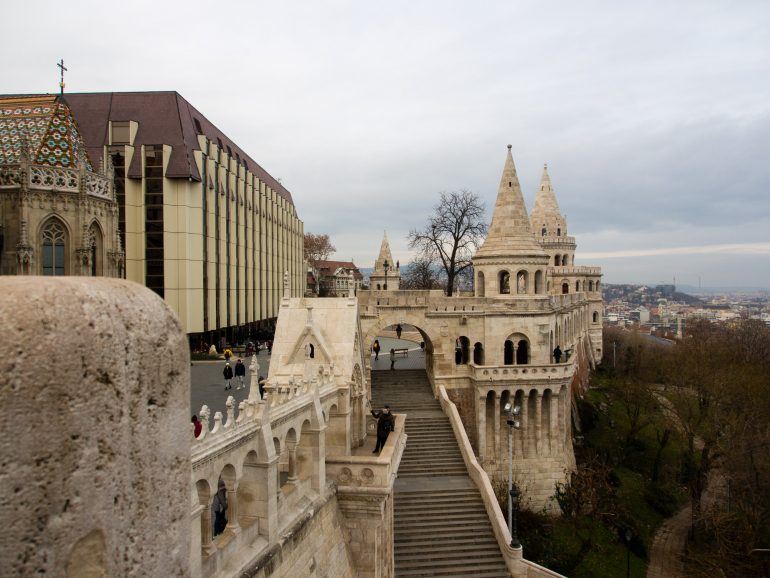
[(207, 545), (497, 418), (525, 425), (233, 525), (481, 412), (539, 424), (292, 464), (553, 435)]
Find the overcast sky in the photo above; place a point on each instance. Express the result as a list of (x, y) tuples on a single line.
[(654, 117)]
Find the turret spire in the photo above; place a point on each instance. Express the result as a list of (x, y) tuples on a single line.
[(547, 219), (509, 232)]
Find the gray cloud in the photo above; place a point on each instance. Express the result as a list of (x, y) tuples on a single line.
[(654, 117)]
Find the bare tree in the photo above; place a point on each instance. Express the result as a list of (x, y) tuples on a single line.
[(317, 248), (420, 274), (452, 234)]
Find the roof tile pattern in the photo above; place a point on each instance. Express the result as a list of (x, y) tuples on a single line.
[(46, 126)]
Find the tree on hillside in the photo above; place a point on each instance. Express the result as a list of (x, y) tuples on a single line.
[(317, 248), (452, 234), (420, 274)]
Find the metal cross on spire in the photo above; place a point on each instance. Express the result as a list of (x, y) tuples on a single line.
[(63, 68)]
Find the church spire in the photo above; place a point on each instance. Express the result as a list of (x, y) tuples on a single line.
[(547, 219), (385, 253), (509, 232)]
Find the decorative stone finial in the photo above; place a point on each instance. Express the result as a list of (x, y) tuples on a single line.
[(510, 147)]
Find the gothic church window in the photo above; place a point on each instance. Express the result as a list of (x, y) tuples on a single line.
[(54, 238)]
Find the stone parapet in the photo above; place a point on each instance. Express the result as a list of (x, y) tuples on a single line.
[(48, 178)]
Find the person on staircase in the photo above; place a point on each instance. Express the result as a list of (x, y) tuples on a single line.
[(385, 425)]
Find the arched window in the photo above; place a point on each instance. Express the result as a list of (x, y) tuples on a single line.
[(508, 352), (565, 287), (478, 354), (558, 232), (378, 286), (596, 317), (505, 282), (556, 260), (480, 289), (312, 351), (577, 286), (462, 350), (54, 243), (590, 285), (542, 232), (522, 282), (522, 352), (95, 233), (538, 281)]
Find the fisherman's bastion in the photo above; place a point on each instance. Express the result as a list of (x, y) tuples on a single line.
[(104, 476)]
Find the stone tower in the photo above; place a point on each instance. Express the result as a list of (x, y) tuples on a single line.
[(550, 226), (511, 261), (387, 273)]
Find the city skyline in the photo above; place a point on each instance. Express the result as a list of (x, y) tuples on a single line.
[(653, 120)]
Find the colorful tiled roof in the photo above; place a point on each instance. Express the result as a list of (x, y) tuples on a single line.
[(47, 126)]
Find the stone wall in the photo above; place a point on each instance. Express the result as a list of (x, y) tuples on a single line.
[(95, 436), (314, 546), (466, 407)]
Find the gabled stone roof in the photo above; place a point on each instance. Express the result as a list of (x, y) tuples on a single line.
[(46, 126)]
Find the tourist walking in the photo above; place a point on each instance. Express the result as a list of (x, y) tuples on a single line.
[(385, 425), (376, 349), (228, 373), (399, 329), (557, 354), (219, 506), (261, 384), (197, 425), (392, 358), (240, 373)]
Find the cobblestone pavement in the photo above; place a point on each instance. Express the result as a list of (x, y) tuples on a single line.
[(207, 383)]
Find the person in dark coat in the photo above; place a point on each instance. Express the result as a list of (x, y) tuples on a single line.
[(261, 384), (228, 373), (385, 424), (399, 329), (219, 507), (240, 373), (376, 349), (557, 354), (197, 424)]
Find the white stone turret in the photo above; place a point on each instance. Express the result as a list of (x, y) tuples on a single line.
[(550, 226), (387, 273), (511, 262)]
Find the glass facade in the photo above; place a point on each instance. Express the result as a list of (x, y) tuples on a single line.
[(153, 218)]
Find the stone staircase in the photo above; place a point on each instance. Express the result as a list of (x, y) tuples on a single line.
[(441, 526)]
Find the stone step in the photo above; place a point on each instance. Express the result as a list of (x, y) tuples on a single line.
[(443, 554), (459, 544), (489, 570)]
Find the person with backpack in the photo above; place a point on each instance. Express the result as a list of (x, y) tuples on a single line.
[(376, 349), (219, 507)]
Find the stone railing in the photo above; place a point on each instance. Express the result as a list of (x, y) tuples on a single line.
[(482, 373), (575, 270), (514, 557), (42, 177), (356, 473)]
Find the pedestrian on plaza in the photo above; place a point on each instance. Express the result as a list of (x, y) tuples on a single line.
[(219, 506), (376, 349), (261, 384), (240, 373), (385, 425), (228, 373), (392, 358), (557, 354), (198, 425), (399, 329)]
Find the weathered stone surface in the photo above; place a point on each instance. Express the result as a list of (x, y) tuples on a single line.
[(95, 439)]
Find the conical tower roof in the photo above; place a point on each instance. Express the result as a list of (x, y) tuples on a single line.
[(384, 254), (546, 212), (510, 233)]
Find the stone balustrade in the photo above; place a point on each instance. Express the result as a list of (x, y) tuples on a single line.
[(575, 270), (353, 473), (528, 373), (47, 178)]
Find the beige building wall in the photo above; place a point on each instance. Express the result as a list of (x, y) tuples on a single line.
[(265, 240)]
